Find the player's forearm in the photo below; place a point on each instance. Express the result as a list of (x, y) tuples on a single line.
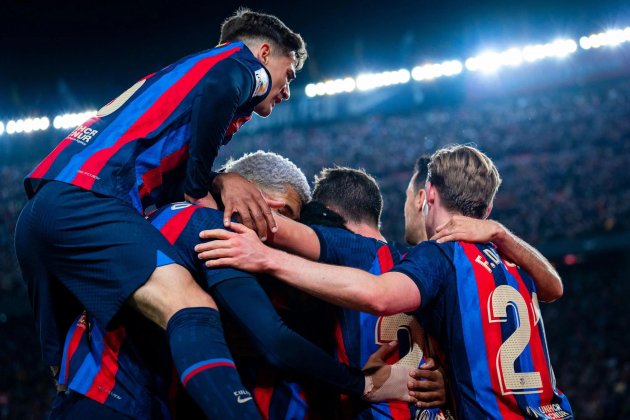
[(296, 238), (548, 282), (248, 304), (341, 286)]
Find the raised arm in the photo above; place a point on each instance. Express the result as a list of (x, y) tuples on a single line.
[(387, 294), (460, 228)]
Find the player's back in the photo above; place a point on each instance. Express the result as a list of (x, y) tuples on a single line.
[(484, 312), (140, 141), (277, 395), (359, 334)]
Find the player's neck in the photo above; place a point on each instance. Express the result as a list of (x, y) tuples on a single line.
[(366, 230), (440, 217)]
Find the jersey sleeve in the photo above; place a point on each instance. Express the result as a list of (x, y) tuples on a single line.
[(227, 86), (336, 245), (429, 268), (247, 303)]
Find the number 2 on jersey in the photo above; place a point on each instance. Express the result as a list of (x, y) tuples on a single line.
[(387, 328), (513, 382)]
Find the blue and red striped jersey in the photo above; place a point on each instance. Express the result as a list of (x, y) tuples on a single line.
[(180, 223), (125, 367), (276, 395), (163, 132), (359, 334), (484, 313)]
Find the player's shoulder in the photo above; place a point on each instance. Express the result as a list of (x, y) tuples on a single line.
[(328, 233), (258, 72), (431, 250), (183, 212), (330, 230)]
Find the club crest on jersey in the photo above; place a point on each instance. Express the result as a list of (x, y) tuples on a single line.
[(262, 82)]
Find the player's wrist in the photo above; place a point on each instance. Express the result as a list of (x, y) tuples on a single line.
[(368, 388), (272, 262), (500, 234)]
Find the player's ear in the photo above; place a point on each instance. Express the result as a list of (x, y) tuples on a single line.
[(488, 210), (421, 197), (264, 53), (431, 194)]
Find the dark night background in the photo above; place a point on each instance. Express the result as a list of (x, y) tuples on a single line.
[(59, 55), (558, 130)]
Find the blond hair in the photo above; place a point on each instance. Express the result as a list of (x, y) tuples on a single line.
[(466, 179)]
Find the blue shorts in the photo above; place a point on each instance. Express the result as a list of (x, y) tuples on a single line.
[(77, 248), (72, 405)]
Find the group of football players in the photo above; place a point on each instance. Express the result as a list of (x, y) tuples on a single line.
[(256, 297)]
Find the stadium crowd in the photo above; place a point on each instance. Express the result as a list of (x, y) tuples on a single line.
[(564, 157)]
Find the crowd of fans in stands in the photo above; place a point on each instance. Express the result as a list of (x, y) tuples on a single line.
[(564, 157)]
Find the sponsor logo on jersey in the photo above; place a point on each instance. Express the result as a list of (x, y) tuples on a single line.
[(83, 134), (550, 411), (262, 82)]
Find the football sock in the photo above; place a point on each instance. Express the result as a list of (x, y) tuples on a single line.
[(205, 366)]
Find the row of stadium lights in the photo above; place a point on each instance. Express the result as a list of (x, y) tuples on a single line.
[(60, 122), (486, 62)]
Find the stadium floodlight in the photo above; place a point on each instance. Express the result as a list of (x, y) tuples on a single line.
[(1, 128), (66, 121), (561, 48), (452, 67), (488, 61), (310, 90), (610, 38), (388, 78), (433, 71), (19, 126), (44, 123), (11, 127), (333, 87), (512, 57), (26, 125), (330, 87), (491, 61), (369, 81)]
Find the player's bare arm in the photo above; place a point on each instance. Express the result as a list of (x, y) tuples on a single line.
[(387, 294), (296, 238), (291, 236), (461, 228)]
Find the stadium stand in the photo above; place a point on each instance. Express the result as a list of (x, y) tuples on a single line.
[(564, 156)]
